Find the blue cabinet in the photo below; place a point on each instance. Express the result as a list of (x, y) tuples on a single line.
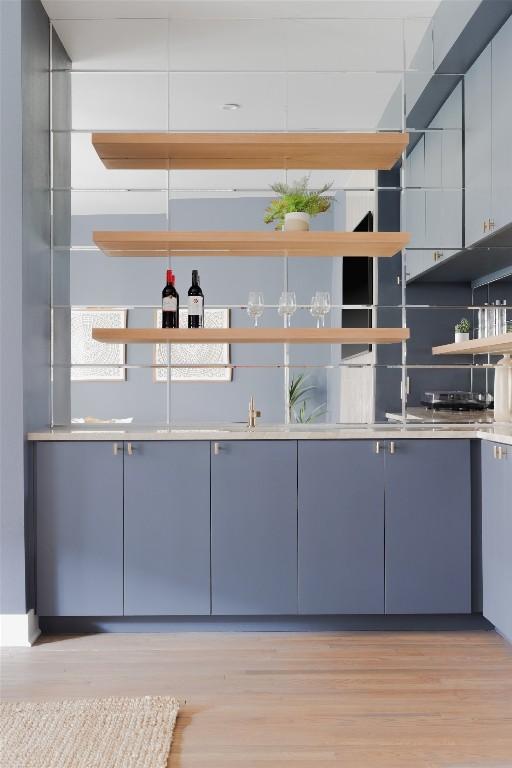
[(478, 146), (501, 124), (167, 528), (254, 527), (428, 527), (266, 527), (497, 535), (341, 527), (79, 503), (433, 194), (488, 161)]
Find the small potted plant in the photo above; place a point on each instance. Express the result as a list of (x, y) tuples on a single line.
[(297, 401), (296, 205), (462, 330)]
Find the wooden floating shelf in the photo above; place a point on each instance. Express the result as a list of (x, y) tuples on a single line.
[(251, 335), (241, 244), (313, 150), (492, 345)]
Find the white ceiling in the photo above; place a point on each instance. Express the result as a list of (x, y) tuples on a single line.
[(291, 64), (240, 9)]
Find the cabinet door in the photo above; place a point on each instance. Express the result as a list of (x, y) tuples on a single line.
[(428, 527), (167, 529), (417, 262), (341, 527), (478, 143), (497, 537), (501, 126), (79, 498), (254, 527)]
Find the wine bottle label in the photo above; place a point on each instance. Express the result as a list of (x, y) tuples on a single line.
[(195, 305), (169, 304)]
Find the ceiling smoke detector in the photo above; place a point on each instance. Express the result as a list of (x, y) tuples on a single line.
[(231, 106)]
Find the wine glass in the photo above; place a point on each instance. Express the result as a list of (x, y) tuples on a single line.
[(320, 306), (287, 304), (255, 306)]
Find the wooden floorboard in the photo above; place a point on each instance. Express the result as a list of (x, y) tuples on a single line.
[(360, 700)]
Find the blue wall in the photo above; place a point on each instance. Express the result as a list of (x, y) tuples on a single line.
[(25, 282)]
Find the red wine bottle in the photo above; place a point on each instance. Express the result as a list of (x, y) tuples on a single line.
[(195, 303), (170, 303)]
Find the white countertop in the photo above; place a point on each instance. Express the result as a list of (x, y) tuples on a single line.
[(501, 433)]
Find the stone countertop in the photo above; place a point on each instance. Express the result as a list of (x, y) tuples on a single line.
[(501, 433)]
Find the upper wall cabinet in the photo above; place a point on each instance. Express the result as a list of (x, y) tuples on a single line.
[(502, 127), (488, 159), (433, 195)]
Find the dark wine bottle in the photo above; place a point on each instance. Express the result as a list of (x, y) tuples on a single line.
[(195, 303), (170, 303)]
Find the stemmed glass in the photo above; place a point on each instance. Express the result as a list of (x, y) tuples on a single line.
[(320, 307), (287, 304), (255, 306)]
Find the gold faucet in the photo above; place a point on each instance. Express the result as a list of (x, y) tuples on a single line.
[(253, 413)]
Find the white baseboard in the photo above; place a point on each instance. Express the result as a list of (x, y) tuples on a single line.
[(19, 630)]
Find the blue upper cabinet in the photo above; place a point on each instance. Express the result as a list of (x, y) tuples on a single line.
[(433, 197), (502, 127), (488, 158), (167, 528), (428, 527), (254, 527), (497, 535), (478, 147), (79, 500), (341, 527)]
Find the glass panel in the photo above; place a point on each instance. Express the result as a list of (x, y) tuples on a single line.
[(88, 172), (120, 101), (197, 99), (331, 101), (140, 44), (101, 210)]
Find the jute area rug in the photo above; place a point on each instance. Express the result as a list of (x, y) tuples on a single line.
[(88, 733)]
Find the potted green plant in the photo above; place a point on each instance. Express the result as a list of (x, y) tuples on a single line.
[(462, 330), (296, 205), (297, 401)]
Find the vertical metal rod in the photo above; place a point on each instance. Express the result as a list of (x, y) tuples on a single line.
[(286, 353)]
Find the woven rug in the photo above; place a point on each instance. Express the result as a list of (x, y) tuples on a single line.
[(88, 733)]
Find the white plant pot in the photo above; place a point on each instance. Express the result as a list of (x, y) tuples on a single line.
[(296, 222), (461, 337)]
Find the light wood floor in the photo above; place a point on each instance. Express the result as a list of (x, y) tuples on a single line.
[(354, 700)]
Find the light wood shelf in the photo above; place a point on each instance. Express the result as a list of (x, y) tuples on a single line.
[(312, 150), (492, 345), (251, 335), (242, 244)]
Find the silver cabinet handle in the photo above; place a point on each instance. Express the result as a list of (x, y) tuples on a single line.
[(377, 447), (501, 452), (495, 451), (216, 449), (130, 448), (392, 446), (115, 448)]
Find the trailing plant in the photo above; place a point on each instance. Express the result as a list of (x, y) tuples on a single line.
[(297, 198), (297, 401), (463, 326)]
